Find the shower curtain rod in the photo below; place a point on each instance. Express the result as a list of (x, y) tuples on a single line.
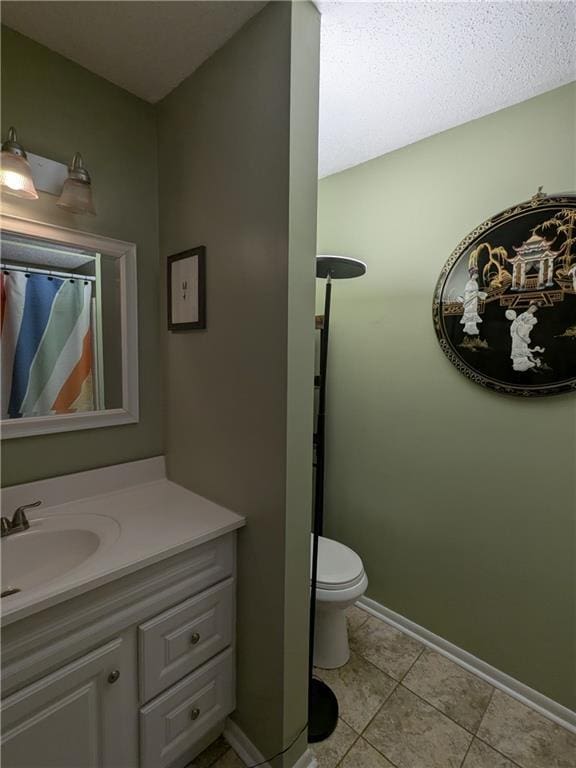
[(50, 272)]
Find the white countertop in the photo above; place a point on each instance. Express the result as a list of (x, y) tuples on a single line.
[(156, 520)]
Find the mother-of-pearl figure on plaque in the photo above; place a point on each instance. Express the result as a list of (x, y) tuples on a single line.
[(472, 293), (572, 274), (522, 355)]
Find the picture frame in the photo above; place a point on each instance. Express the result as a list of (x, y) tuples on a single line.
[(504, 307), (186, 284)]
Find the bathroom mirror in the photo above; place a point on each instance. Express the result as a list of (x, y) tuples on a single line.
[(69, 337)]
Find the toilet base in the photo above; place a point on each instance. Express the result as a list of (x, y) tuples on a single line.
[(331, 649), (322, 711)]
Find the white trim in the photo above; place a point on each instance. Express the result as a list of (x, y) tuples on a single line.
[(523, 693), (250, 755), (126, 254), (308, 760), (242, 745), (98, 336)]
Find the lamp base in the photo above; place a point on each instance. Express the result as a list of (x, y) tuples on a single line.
[(322, 711)]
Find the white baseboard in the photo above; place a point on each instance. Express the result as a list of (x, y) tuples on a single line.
[(242, 745), (523, 693), (250, 755), (307, 760)]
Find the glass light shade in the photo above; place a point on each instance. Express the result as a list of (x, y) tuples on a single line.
[(76, 197), (16, 176)]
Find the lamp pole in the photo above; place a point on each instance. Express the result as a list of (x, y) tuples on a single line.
[(322, 703)]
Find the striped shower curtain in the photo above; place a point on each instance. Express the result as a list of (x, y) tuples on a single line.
[(46, 345)]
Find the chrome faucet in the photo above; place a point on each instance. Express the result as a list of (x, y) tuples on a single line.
[(19, 520)]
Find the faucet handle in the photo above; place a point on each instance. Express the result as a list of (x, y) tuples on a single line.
[(5, 526), (19, 518)]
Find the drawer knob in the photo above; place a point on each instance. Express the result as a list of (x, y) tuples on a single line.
[(113, 676), (195, 639), (195, 714)]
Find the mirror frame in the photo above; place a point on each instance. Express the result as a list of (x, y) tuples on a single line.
[(126, 254)]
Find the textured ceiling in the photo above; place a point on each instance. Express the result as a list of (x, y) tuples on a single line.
[(391, 72), (147, 48), (395, 72)]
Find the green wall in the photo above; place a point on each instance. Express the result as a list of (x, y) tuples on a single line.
[(57, 108), (239, 395), (461, 502)]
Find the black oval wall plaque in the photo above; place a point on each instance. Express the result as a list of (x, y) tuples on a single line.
[(505, 303)]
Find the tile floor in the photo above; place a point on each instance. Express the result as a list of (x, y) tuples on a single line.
[(405, 706)]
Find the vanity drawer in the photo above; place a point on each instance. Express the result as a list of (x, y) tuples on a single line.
[(172, 723), (179, 640)]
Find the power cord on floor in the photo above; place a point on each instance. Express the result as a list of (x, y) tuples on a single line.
[(283, 752)]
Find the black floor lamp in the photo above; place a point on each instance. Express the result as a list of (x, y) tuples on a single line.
[(322, 703)]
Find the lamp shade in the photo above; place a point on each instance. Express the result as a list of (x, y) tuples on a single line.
[(76, 195), (15, 172)]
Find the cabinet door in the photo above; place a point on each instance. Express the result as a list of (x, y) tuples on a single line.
[(81, 716)]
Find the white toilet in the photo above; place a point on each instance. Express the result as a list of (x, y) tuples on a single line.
[(341, 581)]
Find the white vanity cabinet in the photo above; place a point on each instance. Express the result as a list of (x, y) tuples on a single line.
[(138, 673), (74, 717)]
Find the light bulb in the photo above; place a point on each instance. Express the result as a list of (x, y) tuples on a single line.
[(15, 172)]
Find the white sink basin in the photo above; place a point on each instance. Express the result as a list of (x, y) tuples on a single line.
[(53, 546)]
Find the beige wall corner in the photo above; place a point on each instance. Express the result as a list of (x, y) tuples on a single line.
[(239, 394), (304, 95)]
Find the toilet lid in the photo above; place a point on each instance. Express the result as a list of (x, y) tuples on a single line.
[(338, 565)]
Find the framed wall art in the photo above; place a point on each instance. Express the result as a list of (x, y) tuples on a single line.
[(187, 290), (505, 304)]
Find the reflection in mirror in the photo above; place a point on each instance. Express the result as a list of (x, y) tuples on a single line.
[(60, 345), (68, 344)]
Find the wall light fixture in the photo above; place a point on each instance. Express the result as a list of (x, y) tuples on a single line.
[(15, 172), (77, 190)]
